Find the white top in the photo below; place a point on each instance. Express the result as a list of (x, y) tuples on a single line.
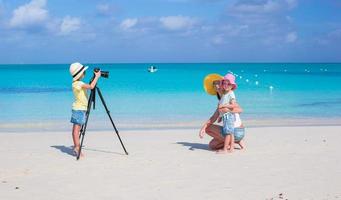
[(226, 99), (238, 121)]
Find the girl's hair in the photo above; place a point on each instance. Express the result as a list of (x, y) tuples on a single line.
[(218, 96)]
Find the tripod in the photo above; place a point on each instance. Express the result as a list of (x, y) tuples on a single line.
[(91, 101)]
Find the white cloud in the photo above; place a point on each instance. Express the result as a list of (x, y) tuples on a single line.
[(335, 34), (268, 6), (264, 20), (218, 40), (271, 6), (177, 22), (258, 12), (105, 9), (289, 19), (230, 30), (1, 8), (31, 14), (226, 33), (291, 3), (264, 8), (128, 23), (333, 37), (291, 37), (69, 25)]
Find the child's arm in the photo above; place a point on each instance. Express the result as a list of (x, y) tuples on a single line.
[(229, 107), (93, 83), (236, 109), (220, 106)]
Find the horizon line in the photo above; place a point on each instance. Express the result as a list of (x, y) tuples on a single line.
[(281, 62)]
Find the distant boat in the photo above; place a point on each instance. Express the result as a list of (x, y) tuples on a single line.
[(152, 69)]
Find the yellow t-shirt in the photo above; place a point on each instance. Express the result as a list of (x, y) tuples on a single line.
[(81, 99)]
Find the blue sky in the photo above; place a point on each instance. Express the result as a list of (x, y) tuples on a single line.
[(89, 31)]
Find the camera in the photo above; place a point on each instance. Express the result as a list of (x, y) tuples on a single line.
[(104, 74)]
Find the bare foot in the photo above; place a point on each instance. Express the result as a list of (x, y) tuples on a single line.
[(76, 151)]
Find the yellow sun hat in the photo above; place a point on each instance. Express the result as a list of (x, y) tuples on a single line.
[(208, 83)]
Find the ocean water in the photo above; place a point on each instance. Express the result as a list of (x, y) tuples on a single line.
[(174, 94)]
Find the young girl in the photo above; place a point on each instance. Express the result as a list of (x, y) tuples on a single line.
[(228, 100), (80, 105), (213, 86)]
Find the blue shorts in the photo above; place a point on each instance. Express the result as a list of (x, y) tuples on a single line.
[(78, 117), (238, 133), (228, 123)]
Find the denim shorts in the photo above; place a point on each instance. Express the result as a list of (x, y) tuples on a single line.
[(228, 123), (78, 117), (238, 133)]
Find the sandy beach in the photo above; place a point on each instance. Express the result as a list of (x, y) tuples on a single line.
[(159, 71), (279, 163)]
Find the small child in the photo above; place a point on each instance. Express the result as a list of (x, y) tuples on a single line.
[(80, 105), (228, 100)]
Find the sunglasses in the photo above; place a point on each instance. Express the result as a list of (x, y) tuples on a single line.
[(225, 82)]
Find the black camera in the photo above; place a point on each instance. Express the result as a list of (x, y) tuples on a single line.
[(104, 74)]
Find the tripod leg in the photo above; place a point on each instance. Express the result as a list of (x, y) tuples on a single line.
[(82, 128), (82, 133), (112, 122), (92, 100)]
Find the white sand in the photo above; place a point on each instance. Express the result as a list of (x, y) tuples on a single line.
[(299, 162)]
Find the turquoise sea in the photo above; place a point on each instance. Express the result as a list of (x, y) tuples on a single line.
[(174, 95)]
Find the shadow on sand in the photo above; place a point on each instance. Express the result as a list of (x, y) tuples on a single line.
[(65, 149), (69, 150), (193, 146)]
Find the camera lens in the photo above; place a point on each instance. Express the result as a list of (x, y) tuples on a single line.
[(105, 74)]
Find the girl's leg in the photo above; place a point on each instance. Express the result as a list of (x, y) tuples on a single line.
[(231, 143), (226, 145), (75, 137)]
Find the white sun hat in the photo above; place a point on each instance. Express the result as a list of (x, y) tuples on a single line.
[(77, 70)]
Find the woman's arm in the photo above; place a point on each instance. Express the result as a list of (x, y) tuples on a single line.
[(212, 119)]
